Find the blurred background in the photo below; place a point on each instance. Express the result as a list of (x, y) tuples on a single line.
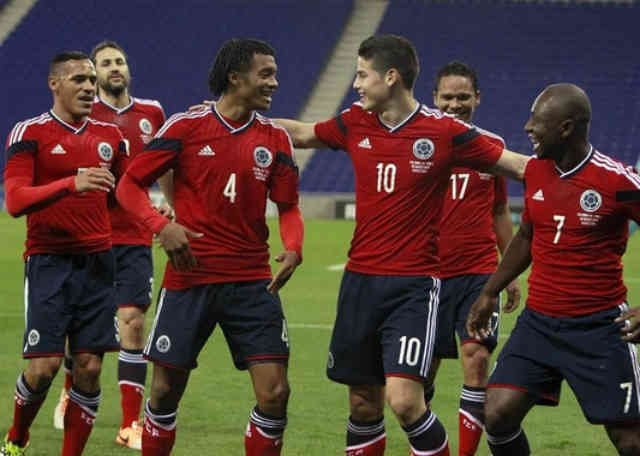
[(516, 47)]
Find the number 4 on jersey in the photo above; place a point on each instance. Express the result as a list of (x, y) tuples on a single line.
[(230, 189)]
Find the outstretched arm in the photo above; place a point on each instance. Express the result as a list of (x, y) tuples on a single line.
[(511, 164), (516, 259), (302, 134), (292, 235)]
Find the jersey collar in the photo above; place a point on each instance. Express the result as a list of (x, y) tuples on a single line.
[(578, 167), (113, 108), (232, 129), (75, 130), (401, 124)]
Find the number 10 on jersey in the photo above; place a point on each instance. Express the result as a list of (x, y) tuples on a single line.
[(386, 177)]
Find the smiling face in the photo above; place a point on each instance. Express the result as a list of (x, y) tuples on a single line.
[(256, 86), (113, 71), (74, 87), (455, 95), (543, 128), (374, 91)]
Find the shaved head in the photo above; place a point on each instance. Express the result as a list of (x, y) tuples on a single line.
[(565, 101)]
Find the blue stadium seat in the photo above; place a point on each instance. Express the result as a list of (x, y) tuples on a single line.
[(171, 46), (518, 49)]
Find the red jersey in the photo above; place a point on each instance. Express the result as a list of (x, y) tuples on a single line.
[(223, 175), (43, 156), (580, 233), (138, 121), (467, 237), (401, 176)]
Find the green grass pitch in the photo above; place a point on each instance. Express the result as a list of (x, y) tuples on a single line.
[(213, 413)]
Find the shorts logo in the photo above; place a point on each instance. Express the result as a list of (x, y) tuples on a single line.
[(145, 126), (34, 337), (331, 362), (423, 149), (163, 344), (590, 200), (105, 151), (262, 156)]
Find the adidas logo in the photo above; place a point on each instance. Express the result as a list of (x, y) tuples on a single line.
[(365, 143), (58, 150), (538, 196), (207, 151)]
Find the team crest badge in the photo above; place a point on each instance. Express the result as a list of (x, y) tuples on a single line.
[(105, 151), (262, 156), (34, 337), (163, 344), (423, 149), (145, 126), (590, 200)]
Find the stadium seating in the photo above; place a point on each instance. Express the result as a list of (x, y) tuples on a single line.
[(518, 49), (170, 47)]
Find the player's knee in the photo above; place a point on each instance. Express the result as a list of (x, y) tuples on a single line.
[(475, 359), (131, 319), (496, 420), (274, 396), (365, 404), (87, 366), (405, 406), (43, 370)]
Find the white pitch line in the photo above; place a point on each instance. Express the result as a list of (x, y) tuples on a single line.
[(336, 267)]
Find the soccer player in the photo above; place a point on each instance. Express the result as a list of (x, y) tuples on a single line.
[(227, 160), (138, 120), (573, 234), (58, 174), (402, 154), (475, 218)]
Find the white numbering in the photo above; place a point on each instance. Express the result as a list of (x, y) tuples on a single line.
[(464, 180), (409, 351), (629, 387), (560, 223), (386, 177), (230, 189)]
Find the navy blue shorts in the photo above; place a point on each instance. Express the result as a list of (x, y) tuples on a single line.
[(251, 319), (385, 326), (134, 276), (456, 298), (586, 351), (69, 296)]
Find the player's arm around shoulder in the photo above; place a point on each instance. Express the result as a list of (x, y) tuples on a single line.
[(511, 164), (302, 134)]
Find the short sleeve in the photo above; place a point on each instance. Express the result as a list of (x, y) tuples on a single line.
[(285, 177), (472, 148)]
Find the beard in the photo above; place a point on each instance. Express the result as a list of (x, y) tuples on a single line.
[(115, 91)]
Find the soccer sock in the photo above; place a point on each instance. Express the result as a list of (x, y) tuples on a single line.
[(264, 434), (366, 438), (78, 420), (427, 436), (68, 373), (159, 431), (26, 405), (132, 373), (509, 444), (470, 419)]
